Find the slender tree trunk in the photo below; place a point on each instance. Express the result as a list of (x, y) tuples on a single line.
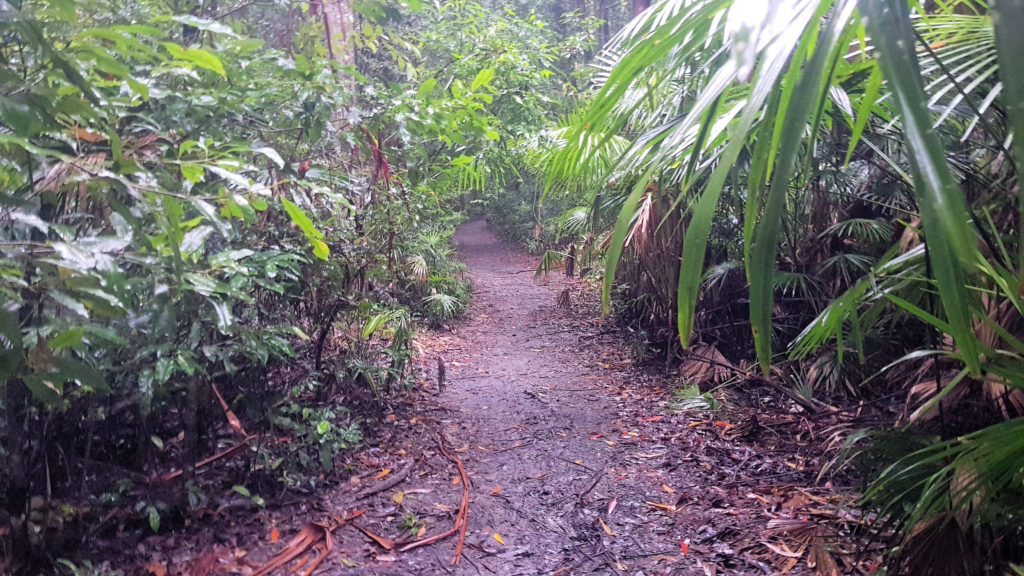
[(339, 21)]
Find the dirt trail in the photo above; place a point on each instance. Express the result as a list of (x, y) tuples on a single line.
[(529, 382), (576, 463)]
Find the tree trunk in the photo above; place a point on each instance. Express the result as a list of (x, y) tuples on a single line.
[(640, 5), (339, 21)]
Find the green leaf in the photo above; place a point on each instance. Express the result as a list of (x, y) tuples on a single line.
[(315, 237), (242, 490), (483, 78), (952, 248), (154, 519), (196, 56), (809, 91), (270, 153), (427, 88), (12, 353), (67, 339)]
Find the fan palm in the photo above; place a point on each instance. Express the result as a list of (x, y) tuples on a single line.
[(736, 99)]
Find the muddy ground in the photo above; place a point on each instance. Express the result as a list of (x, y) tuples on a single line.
[(577, 462)]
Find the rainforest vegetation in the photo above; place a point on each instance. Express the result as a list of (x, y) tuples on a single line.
[(225, 223)]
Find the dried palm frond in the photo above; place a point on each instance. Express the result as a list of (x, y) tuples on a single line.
[(704, 363)]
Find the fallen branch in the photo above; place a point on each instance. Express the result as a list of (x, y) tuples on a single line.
[(307, 538), (229, 452), (461, 519), (389, 483)]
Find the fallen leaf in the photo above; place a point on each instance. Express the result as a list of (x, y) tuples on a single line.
[(456, 480), (157, 569), (611, 506), (399, 497), (684, 547), (695, 423), (668, 489), (496, 490), (385, 543), (609, 442), (606, 529), (275, 535), (382, 474), (723, 424), (498, 538), (661, 506), (541, 475), (653, 419), (420, 532), (349, 563)]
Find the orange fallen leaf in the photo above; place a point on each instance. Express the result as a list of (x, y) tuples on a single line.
[(606, 529), (420, 532), (661, 506), (382, 473), (498, 538), (653, 419), (668, 489), (157, 569), (456, 480), (496, 490), (723, 424), (684, 547), (275, 535), (695, 423), (541, 475)]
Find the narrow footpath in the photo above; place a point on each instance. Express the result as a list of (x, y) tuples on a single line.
[(577, 463)]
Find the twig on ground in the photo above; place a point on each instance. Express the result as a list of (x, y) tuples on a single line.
[(389, 483), (590, 486)]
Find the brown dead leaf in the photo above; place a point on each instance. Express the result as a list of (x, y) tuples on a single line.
[(606, 529), (399, 497), (275, 535), (156, 569), (93, 137), (385, 543), (668, 489), (496, 491), (382, 473)]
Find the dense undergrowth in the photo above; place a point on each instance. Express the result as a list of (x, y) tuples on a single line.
[(217, 240), (826, 190)]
